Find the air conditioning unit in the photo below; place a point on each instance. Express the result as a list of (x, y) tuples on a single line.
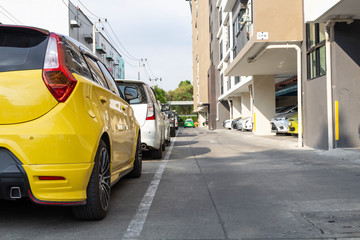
[(74, 24)]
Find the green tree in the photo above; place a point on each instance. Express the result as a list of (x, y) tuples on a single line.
[(184, 92), (161, 94)]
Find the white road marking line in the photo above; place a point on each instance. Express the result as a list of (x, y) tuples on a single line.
[(137, 223)]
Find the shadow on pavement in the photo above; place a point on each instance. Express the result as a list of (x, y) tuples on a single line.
[(184, 143)]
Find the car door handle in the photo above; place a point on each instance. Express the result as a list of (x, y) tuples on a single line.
[(103, 99)]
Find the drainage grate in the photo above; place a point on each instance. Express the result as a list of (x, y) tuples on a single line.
[(342, 222)]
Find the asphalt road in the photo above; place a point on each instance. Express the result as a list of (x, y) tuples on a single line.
[(220, 184)]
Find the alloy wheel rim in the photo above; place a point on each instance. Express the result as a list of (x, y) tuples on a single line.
[(104, 179)]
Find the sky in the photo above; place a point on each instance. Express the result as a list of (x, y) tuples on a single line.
[(156, 30)]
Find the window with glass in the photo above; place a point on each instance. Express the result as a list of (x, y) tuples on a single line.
[(96, 72), (220, 17), (109, 79), (221, 50), (221, 84), (315, 44), (234, 40)]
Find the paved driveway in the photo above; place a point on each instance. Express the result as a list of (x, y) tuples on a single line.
[(220, 184)]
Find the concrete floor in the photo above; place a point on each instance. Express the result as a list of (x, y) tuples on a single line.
[(219, 184)]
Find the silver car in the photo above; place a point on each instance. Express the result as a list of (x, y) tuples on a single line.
[(280, 123)]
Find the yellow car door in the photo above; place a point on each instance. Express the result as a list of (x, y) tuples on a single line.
[(126, 123), (108, 108)]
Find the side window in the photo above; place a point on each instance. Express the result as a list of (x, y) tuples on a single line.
[(109, 79), (152, 94), (74, 60), (96, 72)]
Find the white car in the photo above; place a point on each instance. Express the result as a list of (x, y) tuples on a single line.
[(246, 124), (227, 123), (148, 114)]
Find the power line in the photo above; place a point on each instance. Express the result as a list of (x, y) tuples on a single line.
[(134, 58), (113, 43), (146, 72), (146, 61), (128, 53), (14, 18), (108, 35), (90, 11)]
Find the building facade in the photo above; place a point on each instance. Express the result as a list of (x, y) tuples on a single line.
[(201, 58), (266, 37), (206, 58), (331, 73), (300, 52)]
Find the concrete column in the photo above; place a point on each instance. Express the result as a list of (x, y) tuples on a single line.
[(245, 105), (264, 104), (202, 119), (236, 107)]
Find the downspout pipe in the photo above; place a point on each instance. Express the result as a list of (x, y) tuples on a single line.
[(329, 27), (299, 85)]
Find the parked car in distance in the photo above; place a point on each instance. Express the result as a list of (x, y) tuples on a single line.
[(176, 120), (244, 124), (189, 123), (279, 123), (66, 133), (148, 114), (235, 122), (227, 123), (167, 135), (293, 124), (167, 109)]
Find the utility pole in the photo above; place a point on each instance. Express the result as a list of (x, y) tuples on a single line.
[(140, 61), (139, 71), (94, 36)]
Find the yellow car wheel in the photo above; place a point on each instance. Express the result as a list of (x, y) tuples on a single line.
[(98, 189)]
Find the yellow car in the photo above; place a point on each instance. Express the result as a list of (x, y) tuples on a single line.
[(293, 124), (66, 133)]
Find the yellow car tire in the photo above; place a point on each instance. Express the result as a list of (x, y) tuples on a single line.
[(98, 189)]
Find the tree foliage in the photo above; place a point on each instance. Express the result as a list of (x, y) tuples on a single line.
[(184, 92), (160, 94)]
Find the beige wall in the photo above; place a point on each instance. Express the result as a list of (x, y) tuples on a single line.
[(264, 104), (282, 19), (245, 105), (236, 107), (201, 41)]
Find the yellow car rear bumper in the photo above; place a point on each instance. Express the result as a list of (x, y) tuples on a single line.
[(62, 184)]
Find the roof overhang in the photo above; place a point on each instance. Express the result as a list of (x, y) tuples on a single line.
[(255, 59), (242, 86), (343, 9), (229, 5)]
